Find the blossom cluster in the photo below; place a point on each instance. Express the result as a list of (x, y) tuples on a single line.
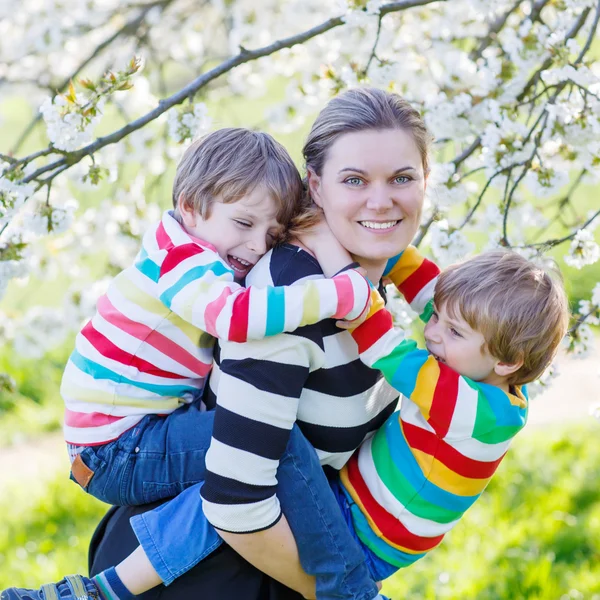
[(515, 113)]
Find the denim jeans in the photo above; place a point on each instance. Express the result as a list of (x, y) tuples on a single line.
[(157, 458), (176, 536)]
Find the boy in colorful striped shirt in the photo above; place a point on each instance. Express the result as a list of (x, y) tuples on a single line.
[(134, 380), (494, 324)]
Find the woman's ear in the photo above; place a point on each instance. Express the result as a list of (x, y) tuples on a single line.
[(186, 212), (314, 187)]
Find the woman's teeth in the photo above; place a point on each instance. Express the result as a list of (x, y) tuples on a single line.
[(377, 224)]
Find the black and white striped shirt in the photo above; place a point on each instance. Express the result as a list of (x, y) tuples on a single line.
[(312, 377)]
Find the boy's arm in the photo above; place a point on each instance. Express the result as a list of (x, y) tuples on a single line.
[(198, 286), (431, 385), (415, 277)]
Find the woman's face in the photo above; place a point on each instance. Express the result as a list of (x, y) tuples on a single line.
[(371, 190)]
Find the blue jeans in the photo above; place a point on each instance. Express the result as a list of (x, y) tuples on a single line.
[(158, 458), (176, 535)]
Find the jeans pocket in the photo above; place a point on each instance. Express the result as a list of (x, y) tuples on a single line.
[(154, 491)]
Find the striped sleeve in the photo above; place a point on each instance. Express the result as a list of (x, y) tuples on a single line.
[(260, 384), (431, 385), (198, 286), (258, 392), (415, 277)]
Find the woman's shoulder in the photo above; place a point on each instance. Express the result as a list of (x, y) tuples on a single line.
[(284, 265)]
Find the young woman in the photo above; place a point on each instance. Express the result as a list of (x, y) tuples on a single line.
[(367, 161)]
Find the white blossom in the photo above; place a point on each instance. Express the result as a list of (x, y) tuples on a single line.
[(583, 251), (448, 247), (544, 381), (67, 128), (596, 295), (583, 342), (189, 121)]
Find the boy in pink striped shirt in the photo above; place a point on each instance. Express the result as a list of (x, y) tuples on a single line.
[(132, 386)]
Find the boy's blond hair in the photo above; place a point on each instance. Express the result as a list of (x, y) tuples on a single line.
[(230, 163), (520, 308)]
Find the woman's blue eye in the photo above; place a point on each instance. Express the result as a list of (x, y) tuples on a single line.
[(404, 179), (354, 180)]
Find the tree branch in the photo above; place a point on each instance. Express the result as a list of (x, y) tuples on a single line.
[(591, 35), (548, 62), (493, 31), (130, 28), (551, 243), (242, 57)]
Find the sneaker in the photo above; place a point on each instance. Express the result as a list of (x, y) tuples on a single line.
[(72, 587)]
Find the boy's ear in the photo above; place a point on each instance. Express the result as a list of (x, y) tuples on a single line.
[(505, 369), (186, 212), (314, 187)]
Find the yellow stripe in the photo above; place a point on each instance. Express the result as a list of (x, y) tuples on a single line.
[(311, 308), (137, 296), (196, 336), (518, 399), (408, 263), (153, 305), (350, 489), (425, 385), (443, 477), (107, 399)]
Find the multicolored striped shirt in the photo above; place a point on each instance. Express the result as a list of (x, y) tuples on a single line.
[(149, 346), (432, 459)]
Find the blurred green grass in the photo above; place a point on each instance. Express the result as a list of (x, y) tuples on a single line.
[(534, 534)]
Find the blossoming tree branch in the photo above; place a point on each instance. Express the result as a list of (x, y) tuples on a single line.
[(510, 90)]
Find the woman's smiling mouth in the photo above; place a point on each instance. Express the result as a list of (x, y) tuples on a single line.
[(380, 226)]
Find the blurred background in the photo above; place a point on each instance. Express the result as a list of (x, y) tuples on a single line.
[(481, 75)]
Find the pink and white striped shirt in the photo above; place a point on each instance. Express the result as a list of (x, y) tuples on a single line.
[(148, 348)]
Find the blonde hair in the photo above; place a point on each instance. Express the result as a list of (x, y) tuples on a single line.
[(520, 308), (360, 109), (230, 163)]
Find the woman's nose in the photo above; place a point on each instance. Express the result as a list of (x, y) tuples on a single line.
[(380, 199)]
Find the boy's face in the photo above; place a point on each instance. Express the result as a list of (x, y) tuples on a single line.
[(450, 339), (241, 231)]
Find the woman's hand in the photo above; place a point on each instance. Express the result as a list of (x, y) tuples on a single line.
[(332, 256)]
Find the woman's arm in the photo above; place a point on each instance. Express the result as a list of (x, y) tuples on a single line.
[(274, 552)]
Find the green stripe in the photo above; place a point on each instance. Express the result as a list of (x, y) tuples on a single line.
[(99, 581), (499, 434), (485, 419), (402, 489)]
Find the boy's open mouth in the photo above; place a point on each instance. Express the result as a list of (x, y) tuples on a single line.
[(239, 265), (438, 358)]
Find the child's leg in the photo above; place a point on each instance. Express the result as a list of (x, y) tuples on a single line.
[(326, 545), (156, 459), (176, 536)]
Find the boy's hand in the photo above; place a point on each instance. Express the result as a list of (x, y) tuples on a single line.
[(344, 324), (332, 256)]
